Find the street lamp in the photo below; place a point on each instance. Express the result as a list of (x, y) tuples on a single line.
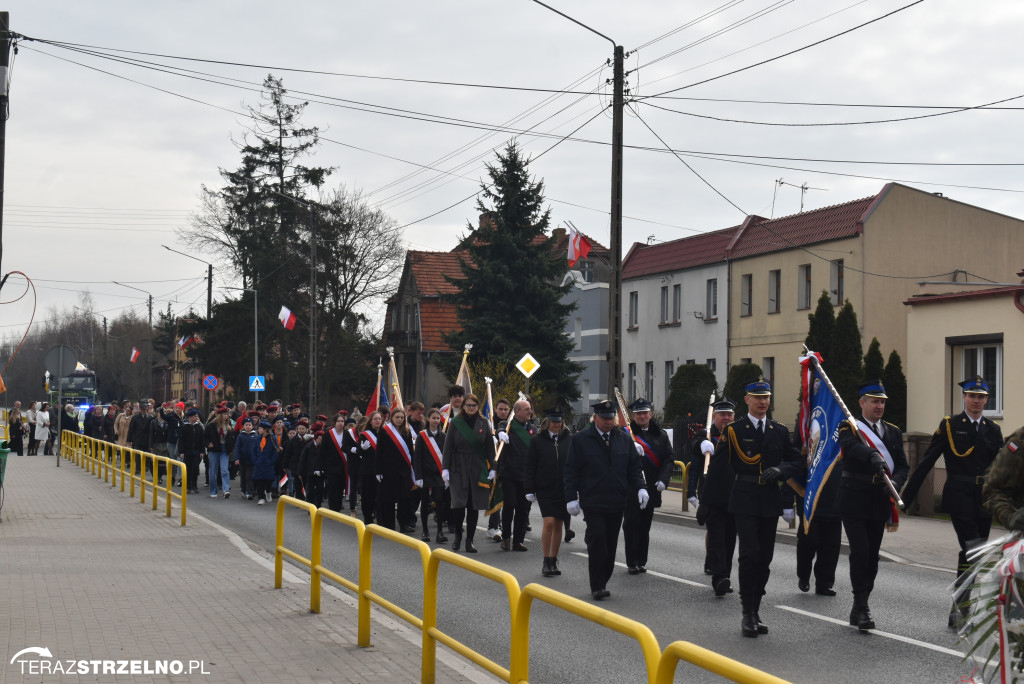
[(255, 328), (209, 278), (132, 287)]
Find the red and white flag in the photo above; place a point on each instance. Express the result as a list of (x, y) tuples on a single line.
[(579, 246), (135, 354), (287, 318)]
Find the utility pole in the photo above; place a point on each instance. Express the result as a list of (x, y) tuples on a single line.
[(615, 286), (312, 310), (5, 63)]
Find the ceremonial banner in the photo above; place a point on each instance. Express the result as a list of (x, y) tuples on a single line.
[(820, 416), (380, 395)]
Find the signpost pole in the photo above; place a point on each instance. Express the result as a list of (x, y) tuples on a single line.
[(60, 400)]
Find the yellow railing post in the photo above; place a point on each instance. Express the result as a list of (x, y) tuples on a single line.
[(279, 548), (184, 493), (712, 662), (131, 473), (156, 480), (317, 571), (365, 566)]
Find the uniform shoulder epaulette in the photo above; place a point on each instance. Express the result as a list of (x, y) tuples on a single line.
[(945, 421), (891, 424)]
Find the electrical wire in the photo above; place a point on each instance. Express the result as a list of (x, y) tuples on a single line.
[(689, 24), (791, 52), (35, 303)]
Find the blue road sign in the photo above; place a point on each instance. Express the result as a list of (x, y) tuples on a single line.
[(257, 383), (210, 382)]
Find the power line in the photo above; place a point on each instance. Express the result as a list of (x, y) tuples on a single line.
[(791, 52), (692, 22)]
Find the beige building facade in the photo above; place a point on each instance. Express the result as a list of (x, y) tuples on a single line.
[(960, 334), (873, 252)]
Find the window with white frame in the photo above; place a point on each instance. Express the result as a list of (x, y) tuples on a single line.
[(774, 290), (986, 360), (648, 380), (803, 287), (670, 370), (631, 389), (712, 365), (711, 305), (836, 285), (677, 303), (746, 294), (664, 304), (634, 309), (768, 372)]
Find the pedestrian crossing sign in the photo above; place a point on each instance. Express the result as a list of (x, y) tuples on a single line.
[(257, 383)]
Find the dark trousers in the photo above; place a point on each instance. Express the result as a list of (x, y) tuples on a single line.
[(335, 490), (33, 444), (822, 541), (515, 512), (602, 538), (245, 475), (314, 490), (721, 540), (865, 538), (368, 486), (353, 481), (756, 535), (636, 532), (264, 488), (471, 516), (192, 466), (969, 529), (408, 502), (437, 498)]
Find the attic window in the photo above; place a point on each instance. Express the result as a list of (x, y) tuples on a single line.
[(586, 268)]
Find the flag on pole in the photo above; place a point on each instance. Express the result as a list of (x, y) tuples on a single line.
[(287, 318), (187, 340), (394, 392), (463, 377), (487, 411), (820, 416), (579, 246), (380, 395), (135, 355)]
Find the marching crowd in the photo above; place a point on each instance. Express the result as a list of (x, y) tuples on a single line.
[(410, 464)]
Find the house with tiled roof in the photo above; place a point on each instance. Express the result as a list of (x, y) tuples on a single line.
[(418, 318), (873, 252), (674, 313)]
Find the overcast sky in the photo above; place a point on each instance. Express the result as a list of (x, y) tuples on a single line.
[(101, 170)]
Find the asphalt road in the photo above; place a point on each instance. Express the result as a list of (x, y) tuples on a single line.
[(809, 640)]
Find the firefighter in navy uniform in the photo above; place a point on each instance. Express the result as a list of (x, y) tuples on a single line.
[(713, 506), (759, 452), (968, 443), (657, 464), (864, 500)]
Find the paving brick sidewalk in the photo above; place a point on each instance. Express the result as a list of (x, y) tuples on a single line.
[(91, 574)]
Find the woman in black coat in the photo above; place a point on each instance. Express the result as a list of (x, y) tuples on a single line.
[(545, 465), (394, 471), (426, 462), (368, 430)]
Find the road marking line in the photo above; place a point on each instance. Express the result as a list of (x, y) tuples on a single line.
[(655, 573), (888, 635)]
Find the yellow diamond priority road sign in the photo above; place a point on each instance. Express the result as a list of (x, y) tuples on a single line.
[(527, 365)]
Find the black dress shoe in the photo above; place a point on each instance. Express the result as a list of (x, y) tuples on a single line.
[(633, 571), (441, 538), (605, 593), (707, 570), (469, 547), (803, 585), (405, 529), (458, 541), (761, 627), (749, 625), (722, 586), (598, 595), (519, 547), (861, 617), (824, 591), (505, 545), (641, 568), (569, 534), (426, 537)]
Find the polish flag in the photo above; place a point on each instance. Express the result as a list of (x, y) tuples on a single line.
[(287, 318), (579, 246), (135, 354)]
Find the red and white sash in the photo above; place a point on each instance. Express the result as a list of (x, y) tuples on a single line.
[(371, 438), (648, 451), (435, 453), (353, 435), (336, 438), (402, 447), (876, 443)]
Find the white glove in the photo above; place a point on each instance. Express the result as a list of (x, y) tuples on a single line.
[(573, 507), (661, 486), (380, 478), (706, 446), (503, 436), (644, 498), (445, 475), (639, 449), (788, 515), (693, 501), (418, 483), (532, 498), (317, 473), (491, 475), (353, 450), (365, 444)]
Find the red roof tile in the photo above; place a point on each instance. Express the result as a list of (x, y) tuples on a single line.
[(436, 318), (430, 268), (697, 250), (759, 235)]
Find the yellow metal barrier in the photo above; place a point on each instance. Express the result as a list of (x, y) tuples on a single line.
[(317, 570), (685, 467), (712, 662), (279, 548), (91, 454), (365, 579), (623, 625), (432, 635)]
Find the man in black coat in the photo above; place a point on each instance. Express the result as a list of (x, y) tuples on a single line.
[(968, 444), (602, 472), (138, 431), (713, 507), (191, 443), (759, 452), (516, 433), (657, 465), (863, 495)]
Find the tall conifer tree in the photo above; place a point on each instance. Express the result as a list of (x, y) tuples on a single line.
[(896, 389), (846, 368), (874, 364)]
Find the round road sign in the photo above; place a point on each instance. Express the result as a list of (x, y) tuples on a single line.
[(210, 382)]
